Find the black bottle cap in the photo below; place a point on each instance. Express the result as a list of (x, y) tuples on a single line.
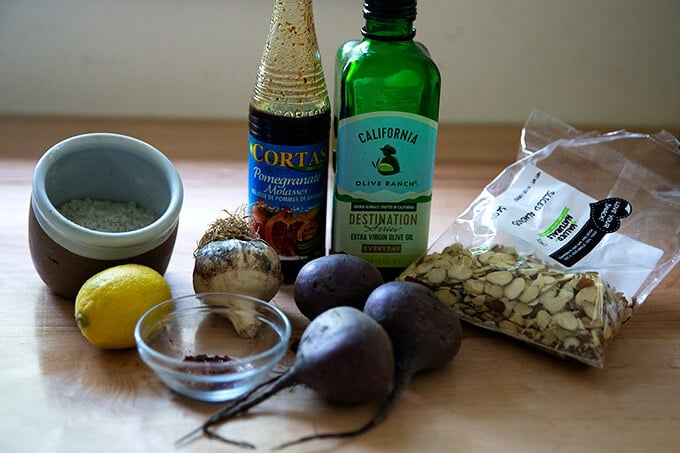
[(390, 9)]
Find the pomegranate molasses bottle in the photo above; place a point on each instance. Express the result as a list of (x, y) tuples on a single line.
[(385, 117), (288, 141)]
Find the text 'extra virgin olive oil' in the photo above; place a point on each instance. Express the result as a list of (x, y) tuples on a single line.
[(385, 123), (288, 140)]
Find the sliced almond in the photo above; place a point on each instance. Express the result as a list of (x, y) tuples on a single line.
[(478, 301), (566, 320), (423, 268), (516, 318), (500, 278), (436, 275), (587, 294), (493, 290), (514, 289), (473, 286), (508, 326), (529, 294), (542, 319), (571, 343), (522, 309), (573, 314), (556, 303), (459, 272)]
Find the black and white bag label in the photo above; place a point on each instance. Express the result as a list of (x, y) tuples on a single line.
[(573, 228), (604, 218)]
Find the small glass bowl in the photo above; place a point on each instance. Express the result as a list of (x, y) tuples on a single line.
[(194, 347)]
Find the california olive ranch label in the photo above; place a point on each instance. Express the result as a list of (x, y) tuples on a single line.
[(384, 172)]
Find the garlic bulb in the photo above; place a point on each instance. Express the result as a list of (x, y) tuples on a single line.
[(229, 259), (238, 266)]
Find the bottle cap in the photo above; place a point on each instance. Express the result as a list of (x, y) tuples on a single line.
[(390, 9)]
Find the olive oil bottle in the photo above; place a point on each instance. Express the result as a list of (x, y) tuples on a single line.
[(288, 140), (386, 109)]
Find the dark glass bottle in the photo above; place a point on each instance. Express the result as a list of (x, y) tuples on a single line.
[(385, 127), (288, 142)]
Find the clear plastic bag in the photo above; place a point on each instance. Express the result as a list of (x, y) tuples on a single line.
[(562, 246)]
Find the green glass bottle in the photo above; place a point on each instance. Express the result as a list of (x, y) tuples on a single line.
[(385, 128)]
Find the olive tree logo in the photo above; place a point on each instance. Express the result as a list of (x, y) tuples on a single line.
[(388, 164)]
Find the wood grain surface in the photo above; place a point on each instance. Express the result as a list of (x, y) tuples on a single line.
[(59, 393)]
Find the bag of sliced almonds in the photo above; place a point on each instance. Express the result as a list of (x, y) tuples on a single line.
[(564, 244)]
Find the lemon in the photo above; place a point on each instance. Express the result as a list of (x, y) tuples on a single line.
[(110, 303)]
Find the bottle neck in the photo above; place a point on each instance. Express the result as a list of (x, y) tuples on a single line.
[(388, 29), (290, 79)]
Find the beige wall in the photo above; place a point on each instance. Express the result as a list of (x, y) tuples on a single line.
[(613, 62)]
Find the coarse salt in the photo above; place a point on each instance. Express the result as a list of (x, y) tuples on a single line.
[(107, 215)]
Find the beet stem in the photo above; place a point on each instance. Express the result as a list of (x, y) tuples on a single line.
[(239, 443), (241, 406), (231, 404), (401, 382)]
